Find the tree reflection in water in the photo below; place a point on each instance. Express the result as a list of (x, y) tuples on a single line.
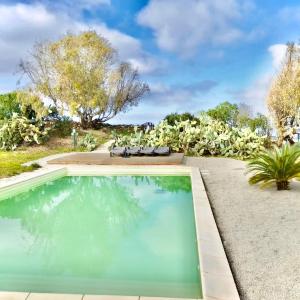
[(52, 215), (173, 184)]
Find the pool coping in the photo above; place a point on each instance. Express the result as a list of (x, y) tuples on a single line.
[(216, 277)]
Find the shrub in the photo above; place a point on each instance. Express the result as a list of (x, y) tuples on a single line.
[(35, 166), (63, 127), (260, 124), (279, 166), (175, 117), (19, 130), (205, 137), (89, 142), (225, 112), (9, 105)]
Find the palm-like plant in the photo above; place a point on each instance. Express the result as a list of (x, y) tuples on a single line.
[(279, 166)]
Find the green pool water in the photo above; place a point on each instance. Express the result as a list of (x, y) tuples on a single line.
[(119, 235)]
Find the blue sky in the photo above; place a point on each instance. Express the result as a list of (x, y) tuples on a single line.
[(193, 54)]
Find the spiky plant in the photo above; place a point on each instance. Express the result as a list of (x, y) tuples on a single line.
[(279, 166)]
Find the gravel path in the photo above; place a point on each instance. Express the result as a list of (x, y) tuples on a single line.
[(260, 230)]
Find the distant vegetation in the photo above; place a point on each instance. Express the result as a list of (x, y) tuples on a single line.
[(202, 135), (240, 115), (171, 119)]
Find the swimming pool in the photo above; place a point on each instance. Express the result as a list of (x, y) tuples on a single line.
[(113, 235), (216, 280)]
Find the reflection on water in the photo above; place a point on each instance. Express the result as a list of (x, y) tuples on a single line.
[(94, 234), (167, 183)]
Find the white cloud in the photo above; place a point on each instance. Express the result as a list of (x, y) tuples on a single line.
[(179, 98), (147, 64), (130, 48), (24, 24), (278, 52), (182, 26)]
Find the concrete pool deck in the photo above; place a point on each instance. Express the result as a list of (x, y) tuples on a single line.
[(216, 277), (105, 159), (101, 156), (260, 229)]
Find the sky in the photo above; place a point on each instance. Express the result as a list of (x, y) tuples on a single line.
[(194, 54)]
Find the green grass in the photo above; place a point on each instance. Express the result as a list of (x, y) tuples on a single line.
[(11, 161)]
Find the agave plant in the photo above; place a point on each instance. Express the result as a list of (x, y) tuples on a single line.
[(279, 166)]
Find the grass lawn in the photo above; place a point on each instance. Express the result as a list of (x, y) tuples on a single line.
[(11, 161)]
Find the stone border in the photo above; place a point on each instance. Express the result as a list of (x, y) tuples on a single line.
[(216, 277)]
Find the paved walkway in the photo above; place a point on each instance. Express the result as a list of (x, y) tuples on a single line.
[(260, 230), (104, 147)]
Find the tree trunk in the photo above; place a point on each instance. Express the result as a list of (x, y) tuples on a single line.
[(83, 122), (86, 121), (280, 132), (282, 185), (97, 124)]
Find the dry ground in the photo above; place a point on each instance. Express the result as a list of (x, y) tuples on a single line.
[(260, 230)]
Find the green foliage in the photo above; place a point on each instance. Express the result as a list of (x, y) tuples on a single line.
[(63, 127), (279, 166), (18, 103), (82, 73), (172, 184), (240, 116), (175, 117), (177, 184), (32, 106), (9, 105), (35, 166), (19, 130), (225, 112), (205, 137), (89, 142), (261, 124)]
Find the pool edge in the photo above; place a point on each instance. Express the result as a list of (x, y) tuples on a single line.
[(216, 277)]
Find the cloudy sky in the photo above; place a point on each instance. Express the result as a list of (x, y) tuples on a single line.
[(193, 54)]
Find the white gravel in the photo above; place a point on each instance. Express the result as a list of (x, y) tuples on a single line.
[(260, 230)]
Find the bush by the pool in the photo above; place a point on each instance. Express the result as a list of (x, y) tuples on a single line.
[(278, 166)]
